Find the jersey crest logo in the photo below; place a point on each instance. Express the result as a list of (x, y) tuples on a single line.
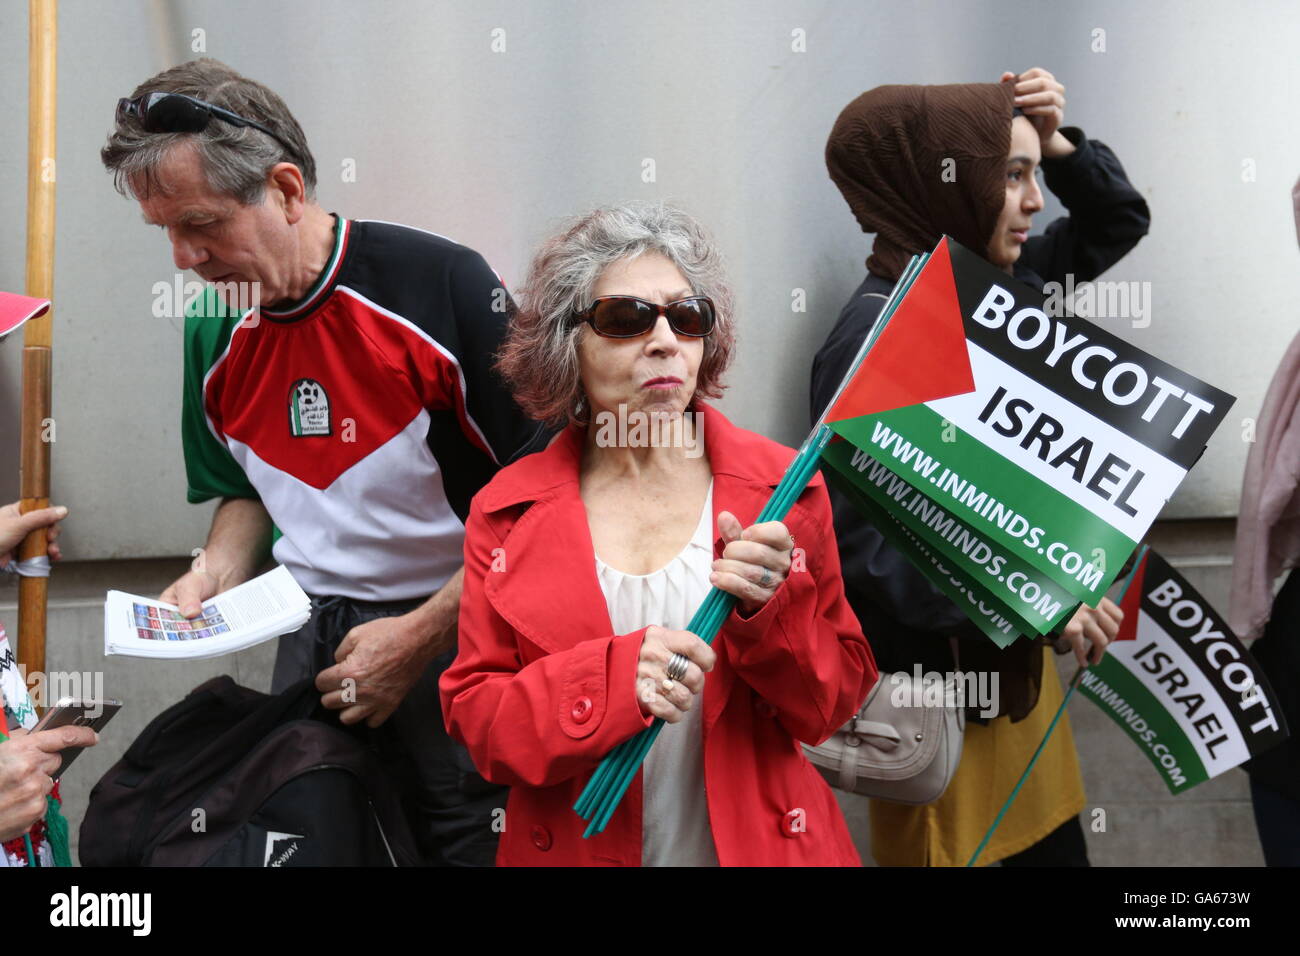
[(309, 409)]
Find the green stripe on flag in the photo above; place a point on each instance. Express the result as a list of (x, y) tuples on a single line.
[(1127, 701), (930, 563), (1034, 599), (960, 591), (1053, 533)]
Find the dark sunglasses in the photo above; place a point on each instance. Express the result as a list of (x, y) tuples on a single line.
[(626, 316), (178, 113)]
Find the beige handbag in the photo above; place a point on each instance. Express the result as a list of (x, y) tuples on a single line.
[(906, 754)]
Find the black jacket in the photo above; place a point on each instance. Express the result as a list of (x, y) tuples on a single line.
[(906, 618), (1278, 654)]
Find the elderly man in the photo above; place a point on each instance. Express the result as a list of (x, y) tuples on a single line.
[(340, 402)]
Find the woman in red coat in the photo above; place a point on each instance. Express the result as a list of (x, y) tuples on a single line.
[(584, 562)]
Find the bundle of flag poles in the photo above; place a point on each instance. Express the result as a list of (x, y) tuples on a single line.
[(615, 773)]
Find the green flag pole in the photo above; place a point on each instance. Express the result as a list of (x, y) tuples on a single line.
[(1074, 683)]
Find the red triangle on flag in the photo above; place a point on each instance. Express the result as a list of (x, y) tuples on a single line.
[(1132, 602), (920, 356)]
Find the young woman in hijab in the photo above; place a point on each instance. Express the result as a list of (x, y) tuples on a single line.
[(916, 163)]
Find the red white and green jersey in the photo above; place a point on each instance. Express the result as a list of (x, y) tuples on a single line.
[(364, 417)]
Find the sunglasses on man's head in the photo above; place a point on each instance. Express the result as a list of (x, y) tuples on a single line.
[(626, 316), (178, 113)]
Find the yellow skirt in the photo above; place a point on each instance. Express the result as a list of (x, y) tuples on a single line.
[(994, 755)]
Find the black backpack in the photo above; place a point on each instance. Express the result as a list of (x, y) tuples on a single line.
[(233, 777)]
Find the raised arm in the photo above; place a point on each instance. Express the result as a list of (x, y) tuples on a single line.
[(1107, 216)]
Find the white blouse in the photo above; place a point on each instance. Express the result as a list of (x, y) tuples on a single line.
[(675, 814)]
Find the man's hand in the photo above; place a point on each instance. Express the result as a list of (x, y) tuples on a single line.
[(378, 663), (26, 762), (15, 526), (190, 590), (1042, 100), (239, 542), (1090, 630)]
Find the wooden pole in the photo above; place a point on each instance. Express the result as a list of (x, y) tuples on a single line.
[(42, 17)]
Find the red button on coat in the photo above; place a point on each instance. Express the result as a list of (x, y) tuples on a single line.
[(793, 824), (581, 710), (541, 838)]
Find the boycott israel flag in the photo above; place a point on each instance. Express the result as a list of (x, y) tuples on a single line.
[(1180, 684), (1027, 494)]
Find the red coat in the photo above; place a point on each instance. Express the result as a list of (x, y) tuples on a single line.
[(541, 688)]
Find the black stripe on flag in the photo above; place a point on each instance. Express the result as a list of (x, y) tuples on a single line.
[(1202, 634), (975, 279)]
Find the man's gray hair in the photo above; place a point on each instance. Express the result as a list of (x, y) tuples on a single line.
[(235, 159), (540, 354)]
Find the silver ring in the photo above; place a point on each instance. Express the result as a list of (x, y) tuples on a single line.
[(677, 665), (766, 580)]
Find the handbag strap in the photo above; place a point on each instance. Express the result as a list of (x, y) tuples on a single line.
[(886, 738), (848, 768), (889, 738)]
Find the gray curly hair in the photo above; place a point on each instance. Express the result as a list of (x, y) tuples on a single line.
[(539, 357)]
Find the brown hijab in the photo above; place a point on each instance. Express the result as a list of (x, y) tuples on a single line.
[(887, 154)]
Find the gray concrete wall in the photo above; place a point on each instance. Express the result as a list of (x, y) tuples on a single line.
[(413, 117), (732, 101)]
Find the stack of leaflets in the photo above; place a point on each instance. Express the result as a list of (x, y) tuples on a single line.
[(249, 614), (1023, 496)]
